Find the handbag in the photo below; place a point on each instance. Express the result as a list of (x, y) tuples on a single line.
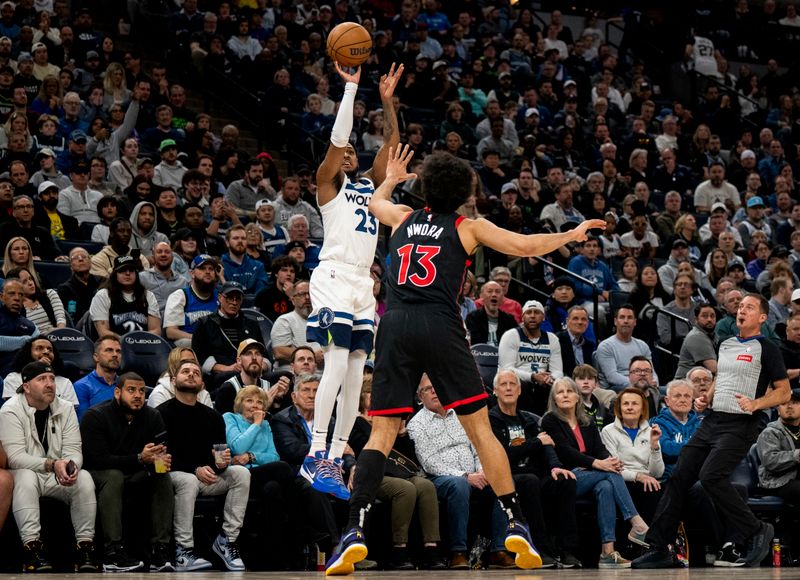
[(399, 465)]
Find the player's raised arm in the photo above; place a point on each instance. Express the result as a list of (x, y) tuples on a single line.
[(381, 204), (391, 136), (482, 231), (329, 172)]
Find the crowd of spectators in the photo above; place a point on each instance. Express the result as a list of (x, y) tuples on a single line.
[(169, 228)]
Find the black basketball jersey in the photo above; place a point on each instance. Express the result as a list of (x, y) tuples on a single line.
[(427, 261)]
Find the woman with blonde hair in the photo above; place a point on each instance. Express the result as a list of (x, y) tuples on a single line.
[(115, 86), (42, 307), (164, 390), (255, 244), (19, 254), (16, 123), (48, 101)]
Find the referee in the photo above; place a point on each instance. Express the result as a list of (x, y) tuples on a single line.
[(748, 364)]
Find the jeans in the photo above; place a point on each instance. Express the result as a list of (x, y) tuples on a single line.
[(456, 492), (610, 493)]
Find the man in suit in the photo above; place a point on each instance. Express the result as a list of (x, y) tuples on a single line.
[(576, 349), (487, 324)]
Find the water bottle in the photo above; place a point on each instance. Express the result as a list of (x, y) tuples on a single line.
[(476, 554), (776, 553), (72, 307)]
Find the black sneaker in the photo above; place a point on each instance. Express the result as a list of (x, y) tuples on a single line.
[(547, 560), (35, 560), (117, 559), (399, 560), (759, 544), (84, 560), (432, 559), (567, 560), (161, 558), (729, 557), (655, 558)]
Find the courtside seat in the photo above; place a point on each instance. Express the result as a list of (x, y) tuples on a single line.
[(145, 353), (76, 349), (486, 357), (760, 498)]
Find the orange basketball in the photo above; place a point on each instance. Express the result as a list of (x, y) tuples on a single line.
[(349, 44)]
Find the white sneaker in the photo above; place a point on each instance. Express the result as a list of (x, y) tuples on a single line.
[(229, 552), (187, 561)]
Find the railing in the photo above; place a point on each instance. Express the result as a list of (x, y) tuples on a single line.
[(673, 320), (246, 105), (540, 293), (724, 89)]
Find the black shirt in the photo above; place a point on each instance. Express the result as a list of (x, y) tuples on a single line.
[(192, 431)]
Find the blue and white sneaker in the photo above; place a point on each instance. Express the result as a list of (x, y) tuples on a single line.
[(325, 475), (518, 540), (312, 464), (352, 548), (229, 552)]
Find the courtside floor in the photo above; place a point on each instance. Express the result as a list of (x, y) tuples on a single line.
[(696, 573)]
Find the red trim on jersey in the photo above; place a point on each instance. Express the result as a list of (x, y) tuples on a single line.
[(404, 219), (466, 401), (459, 219), (397, 411)]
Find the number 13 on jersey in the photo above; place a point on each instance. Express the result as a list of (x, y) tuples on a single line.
[(423, 256)]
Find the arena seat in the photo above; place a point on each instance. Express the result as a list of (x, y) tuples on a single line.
[(145, 353), (67, 245), (75, 348), (486, 357), (760, 500), (53, 274), (264, 323)]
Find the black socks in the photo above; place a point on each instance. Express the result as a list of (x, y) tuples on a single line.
[(369, 474)]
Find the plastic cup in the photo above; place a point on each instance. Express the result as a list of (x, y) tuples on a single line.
[(160, 464), (219, 451)]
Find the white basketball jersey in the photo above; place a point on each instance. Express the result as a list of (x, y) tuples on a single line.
[(703, 54), (351, 232)]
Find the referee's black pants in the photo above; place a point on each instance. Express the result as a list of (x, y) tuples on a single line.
[(710, 457)]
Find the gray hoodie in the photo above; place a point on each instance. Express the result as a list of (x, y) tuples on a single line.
[(145, 241), (779, 455)]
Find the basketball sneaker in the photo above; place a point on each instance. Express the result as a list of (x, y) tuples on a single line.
[(352, 548), (325, 475), (312, 464), (518, 540)]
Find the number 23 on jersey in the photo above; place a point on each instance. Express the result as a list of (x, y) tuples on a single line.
[(367, 223)]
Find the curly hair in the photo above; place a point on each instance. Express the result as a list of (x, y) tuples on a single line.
[(446, 182)]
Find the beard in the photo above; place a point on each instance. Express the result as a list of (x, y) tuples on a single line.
[(128, 409), (186, 387), (51, 203)]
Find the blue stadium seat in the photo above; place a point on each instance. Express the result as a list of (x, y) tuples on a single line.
[(67, 245), (264, 323), (145, 353), (53, 274), (486, 357), (762, 500), (75, 348)]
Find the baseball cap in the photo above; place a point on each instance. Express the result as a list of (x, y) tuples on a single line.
[(439, 64), (200, 259), (79, 167), (504, 75), (755, 201), (570, 82), (24, 56), (533, 305), (77, 135), (679, 242), (717, 206), (32, 370), (231, 286), (45, 185), (292, 245), (92, 54), (250, 343), (166, 144), (563, 281), (748, 154), (508, 187), (45, 152), (325, 7), (261, 202), (125, 262), (779, 251), (735, 265), (532, 111), (796, 295), (264, 155), (182, 234), (38, 46)]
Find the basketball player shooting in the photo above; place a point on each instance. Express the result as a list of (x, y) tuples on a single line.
[(342, 319), (422, 332)]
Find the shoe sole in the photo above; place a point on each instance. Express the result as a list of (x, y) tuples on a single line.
[(115, 568), (638, 542), (767, 534), (345, 563), (526, 557), (602, 566), (194, 567), (722, 564), (165, 568), (230, 567), (340, 493)]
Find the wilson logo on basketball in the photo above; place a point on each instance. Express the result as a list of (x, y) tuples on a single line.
[(355, 51), (745, 357)]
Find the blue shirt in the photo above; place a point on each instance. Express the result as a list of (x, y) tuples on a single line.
[(92, 389), (598, 272), (243, 436), (250, 273)]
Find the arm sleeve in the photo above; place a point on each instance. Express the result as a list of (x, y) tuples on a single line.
[(100, 305), (58, 306), (343, 126), (240, 441), (152, 305), (281, 334)]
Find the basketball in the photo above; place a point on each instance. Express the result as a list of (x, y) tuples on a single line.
[(349, 44)]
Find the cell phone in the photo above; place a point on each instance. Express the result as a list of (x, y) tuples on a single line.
[(71, 467), (161, 438)]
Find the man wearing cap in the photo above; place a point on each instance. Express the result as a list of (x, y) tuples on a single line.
[(747, 164), (164, 278), (46, 158), (779, 452), (216, 337), (169, 172), (245, 193), (78, 200), (196, 300), (121, 445), (754, 222), (75, 151), (274, 234), (533, 355), (60, 225), (39, 349), (41, 66), (120, 233), (251, 357), (715, 189), (40, 435)]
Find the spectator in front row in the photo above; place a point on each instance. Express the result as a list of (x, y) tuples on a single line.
[(123, 304), (99, 385), (40, 434), (193, 431), (164, 389), (188, 305), (488, 324), (121, 447), (778, 450), (39, 349)]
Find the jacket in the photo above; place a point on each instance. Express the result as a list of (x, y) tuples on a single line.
[(291, 436), (251, 273), (568, 362), (15, 331), (72, 230), (674, 435), (779, 455), (567, 446), (111, 442), (212, 345), (20, 438), (477, 323), (636, 456)]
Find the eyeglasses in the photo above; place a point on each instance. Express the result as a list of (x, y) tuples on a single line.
[(424, 390), (302, 294), (235, 297), (641, 371), (79, 258), (701, 380)]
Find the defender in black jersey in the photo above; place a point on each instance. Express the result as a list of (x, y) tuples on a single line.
[(748, 364), (422, 332)]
